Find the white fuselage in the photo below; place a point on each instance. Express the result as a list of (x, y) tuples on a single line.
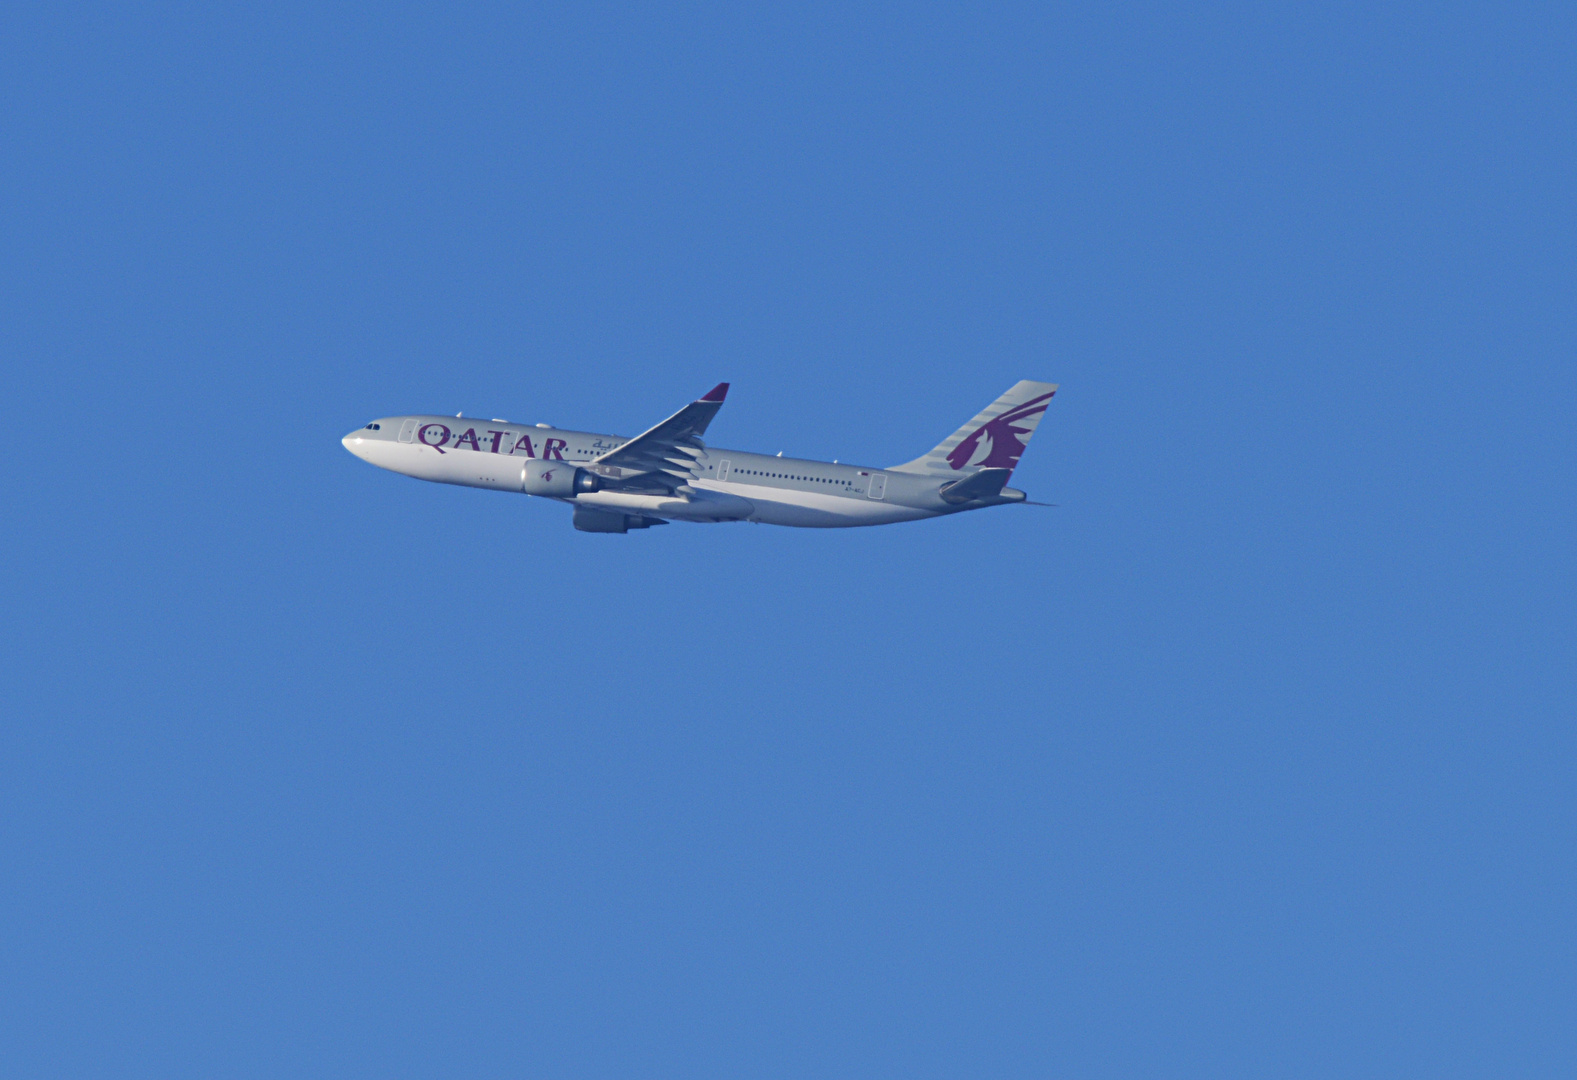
[(732, 485)]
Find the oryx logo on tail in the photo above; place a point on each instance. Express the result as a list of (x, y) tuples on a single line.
[(994, 439), (1003, 447)]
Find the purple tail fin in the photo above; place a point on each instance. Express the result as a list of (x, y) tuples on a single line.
[(995, 439)]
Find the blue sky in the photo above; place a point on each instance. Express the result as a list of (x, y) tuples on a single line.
[(1252, 758)]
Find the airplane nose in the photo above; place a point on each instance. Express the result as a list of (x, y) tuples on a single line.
[(353, 443)]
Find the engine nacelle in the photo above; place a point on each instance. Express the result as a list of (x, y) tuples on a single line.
[(611, 521), (557, 479)]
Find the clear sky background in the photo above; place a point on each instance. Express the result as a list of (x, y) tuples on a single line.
[(1253, 758)]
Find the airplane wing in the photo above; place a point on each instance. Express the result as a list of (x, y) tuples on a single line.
[(665, 455)]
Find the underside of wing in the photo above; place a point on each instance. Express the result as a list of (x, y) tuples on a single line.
[(663, 458)]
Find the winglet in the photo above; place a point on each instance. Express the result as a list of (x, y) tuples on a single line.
[(717, 393)]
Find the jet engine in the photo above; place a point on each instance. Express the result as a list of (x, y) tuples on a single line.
[(557, 479), (604, 521)]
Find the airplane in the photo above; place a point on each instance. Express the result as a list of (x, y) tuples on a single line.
[(667, 473)]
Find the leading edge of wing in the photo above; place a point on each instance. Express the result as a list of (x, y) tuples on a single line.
[(670, 447)]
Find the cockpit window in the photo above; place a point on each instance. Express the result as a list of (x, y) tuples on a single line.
[(374, 427)]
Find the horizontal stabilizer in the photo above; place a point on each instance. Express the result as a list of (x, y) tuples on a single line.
[(985, 484)]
